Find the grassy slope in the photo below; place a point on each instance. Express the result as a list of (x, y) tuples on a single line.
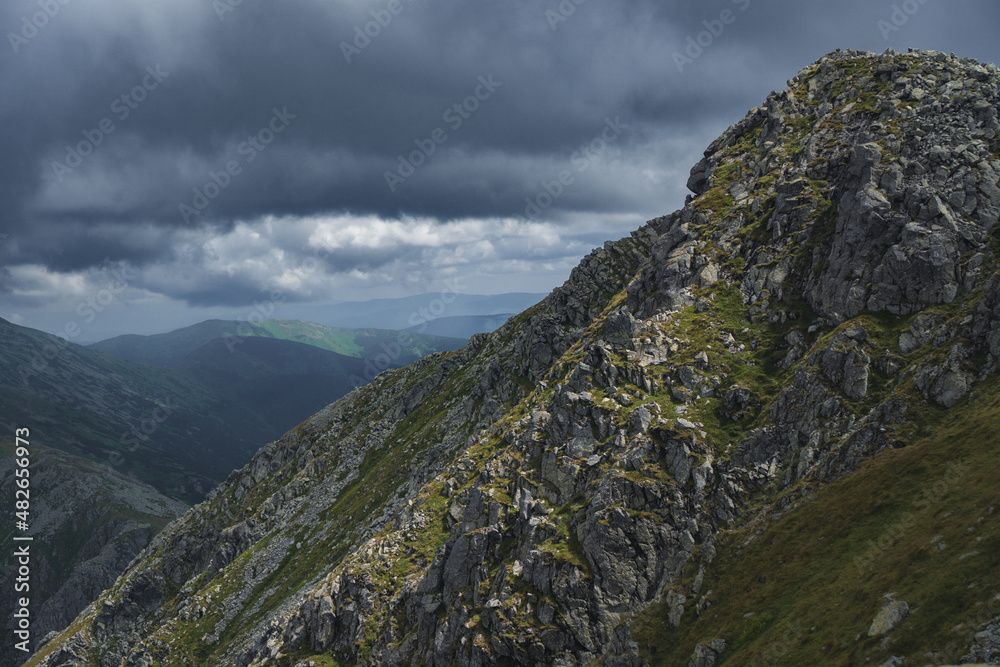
[(815, 577), (363, 343)]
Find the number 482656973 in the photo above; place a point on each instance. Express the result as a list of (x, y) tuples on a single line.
[(22, 474)]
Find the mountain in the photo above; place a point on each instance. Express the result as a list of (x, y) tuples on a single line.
[(87, 522), (760, 430), (462, 326), (280, 381), (172, 348), (181, 429), (418, 310)]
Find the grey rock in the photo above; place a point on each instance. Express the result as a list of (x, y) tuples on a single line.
[(948, 382), (641, 418), (892, 613), (847, 365), (706, 655), (986, 645), (621, 327)]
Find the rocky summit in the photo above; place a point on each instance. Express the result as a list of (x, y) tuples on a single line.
[(761, 430)]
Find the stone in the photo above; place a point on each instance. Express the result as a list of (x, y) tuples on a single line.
[(640, 420), (706, 655), (708, 276), (986, 645), (950, 387), (892, 613), (846, 364), (621, 327)]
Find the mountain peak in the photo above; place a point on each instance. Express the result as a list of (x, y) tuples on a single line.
[(860, 155)]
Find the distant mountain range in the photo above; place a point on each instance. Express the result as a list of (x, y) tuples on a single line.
[(170, 349), (425, 313), (461, 326)]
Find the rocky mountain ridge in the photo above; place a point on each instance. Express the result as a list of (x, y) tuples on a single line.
[(823, 303)]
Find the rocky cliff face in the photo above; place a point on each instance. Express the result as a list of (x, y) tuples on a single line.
[(828, 294)]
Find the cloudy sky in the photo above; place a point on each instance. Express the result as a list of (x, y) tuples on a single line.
[(166, 161)]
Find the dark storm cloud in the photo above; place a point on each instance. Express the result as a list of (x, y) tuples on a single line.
[(225, 292), (351, 120), (175, 106), (65, 246)]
